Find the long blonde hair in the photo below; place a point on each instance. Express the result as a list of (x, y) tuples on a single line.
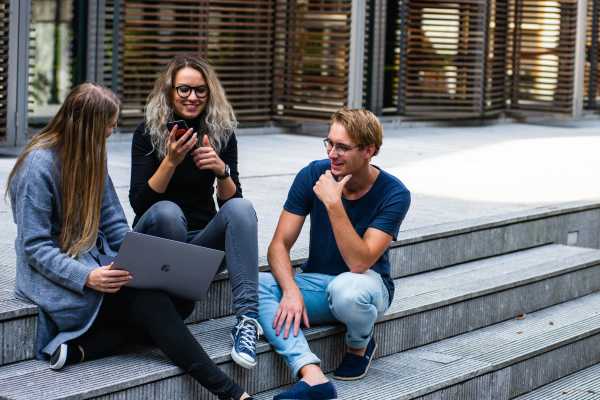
[(78, 134), (219, 120)]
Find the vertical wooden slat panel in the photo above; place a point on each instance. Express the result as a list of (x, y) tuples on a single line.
[(235, 36), (240, 46), (312, 46), (152, 33), (31, 59), (453, 60), (496, 95), (544, 43), (446, 59), (375, 55), (113, 52), (397, 98), (4, 31), (370, 57), (591, 101)]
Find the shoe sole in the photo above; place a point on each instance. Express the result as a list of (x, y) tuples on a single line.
[(62, 359), (355, 378), (239, 360)]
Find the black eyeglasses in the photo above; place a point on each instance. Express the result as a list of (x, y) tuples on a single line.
[(185, 91), (340, 148)]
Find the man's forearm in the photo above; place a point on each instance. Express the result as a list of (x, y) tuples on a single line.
[(281, 267), (352, 247)]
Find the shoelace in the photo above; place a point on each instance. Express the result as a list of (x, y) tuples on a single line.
[(249, 330)]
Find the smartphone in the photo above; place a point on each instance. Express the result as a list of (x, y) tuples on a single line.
[(182, 127)]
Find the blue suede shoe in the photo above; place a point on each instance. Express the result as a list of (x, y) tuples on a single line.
[(302, 390), (354, 367)]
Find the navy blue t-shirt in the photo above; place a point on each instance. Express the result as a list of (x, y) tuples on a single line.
[(383, 207)]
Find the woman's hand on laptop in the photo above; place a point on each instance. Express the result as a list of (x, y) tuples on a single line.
[(107, 280)]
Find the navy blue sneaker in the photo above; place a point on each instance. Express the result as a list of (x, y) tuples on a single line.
[(302, 390), (245, 334), (354, 367)]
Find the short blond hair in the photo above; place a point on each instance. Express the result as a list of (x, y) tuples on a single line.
[(362, 126)]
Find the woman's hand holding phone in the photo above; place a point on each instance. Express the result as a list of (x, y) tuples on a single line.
[(178, 147), (107, 280)]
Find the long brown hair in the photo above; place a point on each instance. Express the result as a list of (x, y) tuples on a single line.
[(78, 134), (220, 119)]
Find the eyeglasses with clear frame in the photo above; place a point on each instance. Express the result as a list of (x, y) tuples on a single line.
[(340, 148), (184, 91)]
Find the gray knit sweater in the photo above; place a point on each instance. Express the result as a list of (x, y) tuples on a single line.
[(45, 275)]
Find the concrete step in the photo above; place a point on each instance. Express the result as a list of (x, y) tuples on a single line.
[(498, 362), (582, 385), (429, 307), (415, 251)]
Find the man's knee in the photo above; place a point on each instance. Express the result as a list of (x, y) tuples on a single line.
[(346, 290), (356, 297)]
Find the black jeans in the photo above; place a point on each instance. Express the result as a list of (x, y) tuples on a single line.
[(153, 317)]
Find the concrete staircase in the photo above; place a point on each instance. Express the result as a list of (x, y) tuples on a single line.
[(582, 385), (489, 308)]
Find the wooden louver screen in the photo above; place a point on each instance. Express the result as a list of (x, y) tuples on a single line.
[(543, 58), (111, 75), (452, 58), (382, 55), (592, 62), (152, 33), (235, 36), (311, 61), (4, 22), (240, 46), (370, 56), (395, 54), (495, 93)]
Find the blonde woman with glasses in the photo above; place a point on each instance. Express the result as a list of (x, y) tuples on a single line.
[(183, 150), (69, 225)]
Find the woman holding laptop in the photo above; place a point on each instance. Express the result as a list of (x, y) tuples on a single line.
[(183, 150), (69, 221)]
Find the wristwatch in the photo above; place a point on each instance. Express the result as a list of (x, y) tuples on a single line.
[(226, 173)]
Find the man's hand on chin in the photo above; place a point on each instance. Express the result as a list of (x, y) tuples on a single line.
[(328, 189)]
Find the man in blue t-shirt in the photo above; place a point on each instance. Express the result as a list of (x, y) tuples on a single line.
[(355, 212)]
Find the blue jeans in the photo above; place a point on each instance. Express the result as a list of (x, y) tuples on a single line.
[(233, 229), (355, 300)]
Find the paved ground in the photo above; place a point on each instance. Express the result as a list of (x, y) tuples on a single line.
[(454, 173)]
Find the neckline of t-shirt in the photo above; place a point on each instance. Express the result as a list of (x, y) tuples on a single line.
[(377, 180)]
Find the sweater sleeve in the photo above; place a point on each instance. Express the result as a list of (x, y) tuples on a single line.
[(143, 165), (112, 218), (34, 208), (229, 155)]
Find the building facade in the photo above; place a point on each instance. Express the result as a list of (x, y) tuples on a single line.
[(293, 61)]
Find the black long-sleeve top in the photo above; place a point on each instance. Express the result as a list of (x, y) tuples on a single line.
[(190, 188)]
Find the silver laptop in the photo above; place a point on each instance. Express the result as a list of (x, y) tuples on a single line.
[(182, 269)]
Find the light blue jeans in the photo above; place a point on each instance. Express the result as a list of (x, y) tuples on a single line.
[(355, 300)]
